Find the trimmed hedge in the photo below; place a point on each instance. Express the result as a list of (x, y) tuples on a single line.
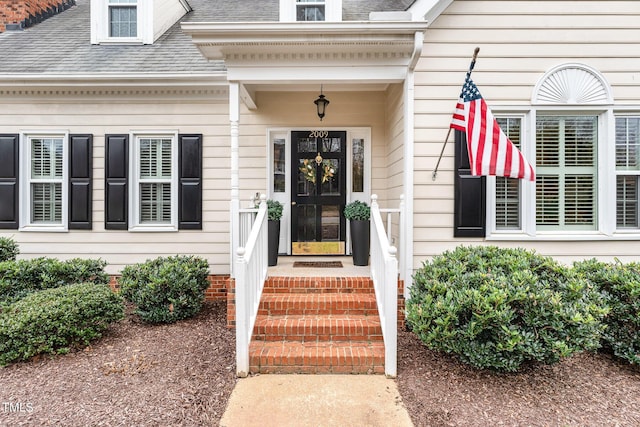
[(503, 308), (55, 320), (621, 285), (8, 249), (20, 278), (166, 289)]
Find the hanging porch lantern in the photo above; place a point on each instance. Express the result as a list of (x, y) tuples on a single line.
[(321, 104)]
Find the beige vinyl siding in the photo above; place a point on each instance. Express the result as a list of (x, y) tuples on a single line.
[(165, 14), (519, 42), (395, 154), (105, 114)]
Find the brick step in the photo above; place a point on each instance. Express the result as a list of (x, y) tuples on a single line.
[(316, 358), (317, 328), (316, 304), (277, 284)]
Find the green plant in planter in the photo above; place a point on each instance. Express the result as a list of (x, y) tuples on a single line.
[(357, 211), (274, 210)]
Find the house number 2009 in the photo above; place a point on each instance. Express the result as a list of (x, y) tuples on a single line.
[(319, 134)]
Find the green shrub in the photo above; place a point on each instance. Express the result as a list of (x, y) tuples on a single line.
[(502, 308), (166, 289), (56, 320), (621, 285), (8, 249), (20, 278)]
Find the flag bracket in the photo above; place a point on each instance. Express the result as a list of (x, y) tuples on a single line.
[(473, 64)]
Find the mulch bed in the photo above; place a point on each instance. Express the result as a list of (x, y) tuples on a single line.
[(584, 390), (183, 374), (136, 375)]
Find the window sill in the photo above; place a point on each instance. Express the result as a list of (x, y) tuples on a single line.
[(44, 229), (568, 237), (120, 41), (153, 229)]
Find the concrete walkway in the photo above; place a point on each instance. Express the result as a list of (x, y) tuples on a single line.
[(316, 400)]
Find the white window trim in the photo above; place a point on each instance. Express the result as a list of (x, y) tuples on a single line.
[(25, 180), (332, 10), (100, 24), (606, 170), (134, 196)]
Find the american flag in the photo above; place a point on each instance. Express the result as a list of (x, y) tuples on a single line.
[(490, 151)]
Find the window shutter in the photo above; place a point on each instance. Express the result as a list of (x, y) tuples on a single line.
[(9, 159), (80, 175), (116, 182), (469, 194), (190, 182)]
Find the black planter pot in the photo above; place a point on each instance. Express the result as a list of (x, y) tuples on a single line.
[(360, 241), (274, 241)]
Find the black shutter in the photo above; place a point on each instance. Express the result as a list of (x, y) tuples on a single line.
[(190, 182), (470, 194), (80, 175), (116, 171), (9, 160)]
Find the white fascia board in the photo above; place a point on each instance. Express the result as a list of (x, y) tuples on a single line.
[(428, 10), (302, 75), (264, 29), (120, 79)]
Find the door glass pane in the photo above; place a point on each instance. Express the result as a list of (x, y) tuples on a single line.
[(331, 145), (279, 167), (357, 183), (306, 223), (307, 145), (306, 177), (330, 177), (330, 222)]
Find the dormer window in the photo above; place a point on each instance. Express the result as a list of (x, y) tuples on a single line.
[(310, 10), (123, 18)]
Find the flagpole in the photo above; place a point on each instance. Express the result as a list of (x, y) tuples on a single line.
[(471, 66)]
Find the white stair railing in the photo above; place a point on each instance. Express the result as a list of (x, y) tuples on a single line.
[(384, 272), (251, 263)]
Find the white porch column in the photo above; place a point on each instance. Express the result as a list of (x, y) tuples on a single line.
[(234, 119), (409, 166)]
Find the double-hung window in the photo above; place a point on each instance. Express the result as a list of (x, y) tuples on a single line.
[(44, 193), (155, 182), (123, 18), (627, 172), (566, 182)]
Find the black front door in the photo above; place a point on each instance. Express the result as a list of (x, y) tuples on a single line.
[(318, 192)]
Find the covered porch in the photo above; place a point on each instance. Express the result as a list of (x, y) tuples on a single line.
[(275, 72)]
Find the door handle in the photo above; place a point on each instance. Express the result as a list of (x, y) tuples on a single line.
[(293, 203)]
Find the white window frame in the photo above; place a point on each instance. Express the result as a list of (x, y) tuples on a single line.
[(624, 231), (25, 181), (332, 11), (134, 181), (606, 183), (100, 23)]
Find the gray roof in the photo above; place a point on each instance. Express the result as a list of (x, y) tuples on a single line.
[(61, 44)]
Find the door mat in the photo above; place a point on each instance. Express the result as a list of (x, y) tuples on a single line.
[(318, 264)]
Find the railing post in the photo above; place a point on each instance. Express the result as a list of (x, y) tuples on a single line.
[(391, 313), (242, 314)]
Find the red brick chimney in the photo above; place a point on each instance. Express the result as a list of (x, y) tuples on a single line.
[(20, 14)]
